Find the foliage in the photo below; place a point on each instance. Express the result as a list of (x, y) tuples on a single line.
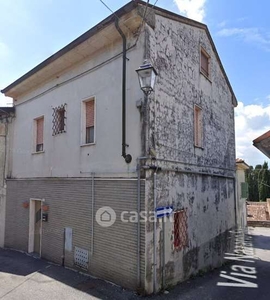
[(258, 180)]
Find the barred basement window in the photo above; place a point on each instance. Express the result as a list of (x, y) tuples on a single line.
[(59, 119), (180, 229)]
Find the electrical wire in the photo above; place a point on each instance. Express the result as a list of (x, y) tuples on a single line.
[(114, 14), (145, 17)]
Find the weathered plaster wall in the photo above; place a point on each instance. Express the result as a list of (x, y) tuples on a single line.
[(174, 48)]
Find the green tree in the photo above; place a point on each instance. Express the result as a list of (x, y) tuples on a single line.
[(263, 182)]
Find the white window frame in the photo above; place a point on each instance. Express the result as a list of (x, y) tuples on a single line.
[(83, 120), (34, 135)]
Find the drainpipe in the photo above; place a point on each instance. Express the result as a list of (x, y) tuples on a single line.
[(127, 157), (155, 236)]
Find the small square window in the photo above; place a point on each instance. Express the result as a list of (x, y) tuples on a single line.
[(59, 119), (205, 59)]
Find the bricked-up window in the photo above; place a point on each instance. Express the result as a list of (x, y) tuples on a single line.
[(90, 122), (205, 59), (198, 128), (180, 229), (59, 119), (39, 134)]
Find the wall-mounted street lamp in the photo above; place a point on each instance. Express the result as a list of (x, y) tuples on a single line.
[(147, 77)]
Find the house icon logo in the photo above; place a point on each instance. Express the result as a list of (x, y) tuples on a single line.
[(105, 216)]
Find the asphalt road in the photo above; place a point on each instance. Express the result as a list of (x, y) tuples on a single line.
[(245, 277)]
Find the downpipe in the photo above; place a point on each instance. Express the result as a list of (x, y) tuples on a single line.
[(155, 236), (127, 157)]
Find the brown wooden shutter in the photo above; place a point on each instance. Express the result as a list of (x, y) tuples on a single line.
[(90, 113), (204, 63), (40, 128)]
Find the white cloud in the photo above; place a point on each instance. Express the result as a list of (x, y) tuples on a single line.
[(222, 24), (193, 9), (251, 121), (249, 35)]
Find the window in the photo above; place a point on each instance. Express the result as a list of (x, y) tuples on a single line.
[(197, 126), (180, 229), (89, 121), (244, 190), (205, 58), (39, 134), (59, 119)]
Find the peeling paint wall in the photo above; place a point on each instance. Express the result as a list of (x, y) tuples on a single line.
[(174, 49)]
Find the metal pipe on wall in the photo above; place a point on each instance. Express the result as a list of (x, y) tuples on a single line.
[(155, 236), (126, 156)]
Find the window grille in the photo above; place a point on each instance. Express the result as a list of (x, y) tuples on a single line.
[(180, 229), (59, 119)]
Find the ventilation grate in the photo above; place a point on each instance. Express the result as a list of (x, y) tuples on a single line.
[(81, 258)]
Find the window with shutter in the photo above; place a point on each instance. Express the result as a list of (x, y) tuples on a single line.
[(205, 63), (39, 134), (90, 122)]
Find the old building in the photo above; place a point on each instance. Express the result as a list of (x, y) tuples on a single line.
[(241, 192), (6, 116), (85, 138)]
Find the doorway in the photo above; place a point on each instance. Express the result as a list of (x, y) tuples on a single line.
[(35, 227)]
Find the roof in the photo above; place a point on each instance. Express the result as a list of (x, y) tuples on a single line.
[(109, 20), (263, 143), (242, 163), (6, 110)]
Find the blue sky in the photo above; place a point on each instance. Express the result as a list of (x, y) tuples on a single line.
[(30, 31)]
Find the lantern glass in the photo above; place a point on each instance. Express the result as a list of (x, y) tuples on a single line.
[(147, 77)]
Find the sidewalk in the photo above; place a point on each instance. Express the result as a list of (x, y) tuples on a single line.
[(23, 277), (246, 277)]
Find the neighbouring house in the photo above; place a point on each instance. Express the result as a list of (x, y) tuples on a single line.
[(263, 143), (241, 192), (86, 140), (6, 116), (258, 213)]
